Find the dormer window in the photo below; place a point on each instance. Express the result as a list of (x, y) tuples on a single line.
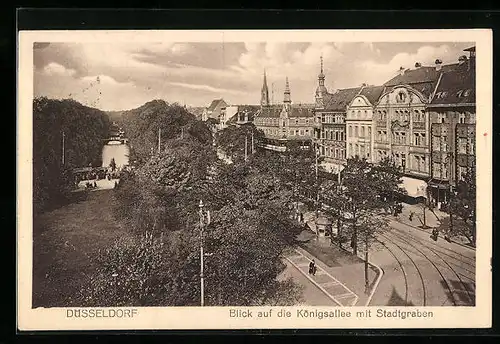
[(401, 97)]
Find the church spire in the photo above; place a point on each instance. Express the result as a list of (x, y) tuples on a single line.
[(287, 98), (321, 90), (321, 76), (264, 93)]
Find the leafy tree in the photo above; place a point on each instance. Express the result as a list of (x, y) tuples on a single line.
[(463, 205), (83, 128), (388, 178), (144, 125), (362, 204), (232, 140)]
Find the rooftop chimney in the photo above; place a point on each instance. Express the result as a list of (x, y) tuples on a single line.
[(462, 59), (418, 65), (438, 63)]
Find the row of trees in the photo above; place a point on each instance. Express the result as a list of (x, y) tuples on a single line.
[(158, 118), (251, 224), (80, 128)]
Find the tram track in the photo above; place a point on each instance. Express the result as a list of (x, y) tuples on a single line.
[(403, 271), (423, 255), (424, 293), (448, 265)]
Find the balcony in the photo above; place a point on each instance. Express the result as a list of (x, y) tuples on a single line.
[(419, 149), (381, 145), (418, 125), (381, 124)]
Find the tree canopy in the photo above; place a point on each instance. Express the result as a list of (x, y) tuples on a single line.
[(84, 130)]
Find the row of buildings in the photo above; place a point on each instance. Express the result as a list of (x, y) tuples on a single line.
[(424, 118)]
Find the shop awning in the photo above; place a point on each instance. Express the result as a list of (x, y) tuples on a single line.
[(414, 187)]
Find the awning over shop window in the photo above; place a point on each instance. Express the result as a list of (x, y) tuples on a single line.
[(414, 187)]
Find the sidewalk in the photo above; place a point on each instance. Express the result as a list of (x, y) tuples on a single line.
[(341, 265), (433, 219)]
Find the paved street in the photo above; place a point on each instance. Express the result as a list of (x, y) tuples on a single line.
[(419, 271)]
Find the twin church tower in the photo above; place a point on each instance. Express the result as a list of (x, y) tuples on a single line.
[(264, 93), (321, 91)]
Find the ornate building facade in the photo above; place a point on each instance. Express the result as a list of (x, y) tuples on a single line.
[(359, 123), (329, 123)]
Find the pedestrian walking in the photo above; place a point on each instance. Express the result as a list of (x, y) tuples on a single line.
[(312, 267), (95, 184), (411, 216)]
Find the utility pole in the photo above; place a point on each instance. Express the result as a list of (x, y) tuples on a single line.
[(317, 191), (450, 157), (253, 147), (159, 140), (202, 254), (63, 152), (246, 144)]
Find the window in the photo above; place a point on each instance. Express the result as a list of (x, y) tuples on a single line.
[(301, 132), (444, 143), (351, 153), (307, 131), (462, 118), (350, 131), (401, 97), (369, 132), (323, 119), (470, 145), (419, 139), (422, 164), (337, 136), (322, 133), (362, 131), (436, 170), (462, 171), (416, 163), (296, 133), (356, 131)]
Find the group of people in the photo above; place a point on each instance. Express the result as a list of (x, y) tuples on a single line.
[(90, 185)]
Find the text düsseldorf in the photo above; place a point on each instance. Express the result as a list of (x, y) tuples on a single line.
[(101, 313)]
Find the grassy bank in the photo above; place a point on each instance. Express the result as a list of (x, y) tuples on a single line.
[(64, 241)]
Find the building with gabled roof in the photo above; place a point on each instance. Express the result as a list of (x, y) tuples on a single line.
[(359, 122), (215, 109), (241, 114)]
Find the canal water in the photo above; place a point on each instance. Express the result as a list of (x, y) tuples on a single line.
[(118, 151)]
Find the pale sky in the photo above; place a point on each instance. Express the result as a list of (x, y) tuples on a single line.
[(118, 76)]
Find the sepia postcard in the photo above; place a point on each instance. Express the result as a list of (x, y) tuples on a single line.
[(254, 179)]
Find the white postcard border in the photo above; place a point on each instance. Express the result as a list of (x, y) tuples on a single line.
[(218, 317)]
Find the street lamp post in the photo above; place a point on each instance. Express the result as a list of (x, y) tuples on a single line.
[(63, 149), (204, 220)]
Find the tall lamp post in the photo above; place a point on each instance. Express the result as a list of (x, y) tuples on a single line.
[(204, 221)]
